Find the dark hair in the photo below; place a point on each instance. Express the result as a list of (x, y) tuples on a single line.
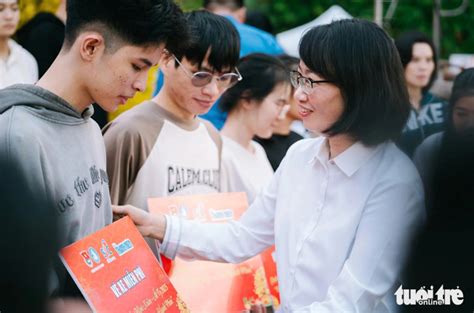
[(290, 62), (139, 23), (259, 20), (261, 74), (463, 87), (405, 43), (214, 33), (230, 4), (362, 61), (451, 188)]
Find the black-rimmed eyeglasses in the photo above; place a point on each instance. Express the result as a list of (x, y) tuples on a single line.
[(307, 84), (201, 79)]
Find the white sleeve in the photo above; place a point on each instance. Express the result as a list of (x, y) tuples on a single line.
[(388, 224), (231, 242)]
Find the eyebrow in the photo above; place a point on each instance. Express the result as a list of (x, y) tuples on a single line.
[(205, 68), (146, 61), (210, 70)]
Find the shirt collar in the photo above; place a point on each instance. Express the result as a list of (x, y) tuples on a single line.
[(13, 46), (348, 161), (321, 152)]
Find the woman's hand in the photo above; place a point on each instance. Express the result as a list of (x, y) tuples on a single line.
[(149, 225)]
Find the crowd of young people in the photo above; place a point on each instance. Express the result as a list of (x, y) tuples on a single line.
[(343, 208)]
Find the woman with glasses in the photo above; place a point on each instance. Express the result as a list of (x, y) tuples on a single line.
[(342, 208), (254, 106)]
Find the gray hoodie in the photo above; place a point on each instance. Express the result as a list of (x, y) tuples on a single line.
[(63, 154)]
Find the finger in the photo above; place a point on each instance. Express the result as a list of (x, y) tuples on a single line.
[(119, 209), (116, 217), (136, 214), (257, 308)]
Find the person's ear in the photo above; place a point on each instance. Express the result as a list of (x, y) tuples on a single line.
[(166, 61), (240, 14), (91, 45), (247, 103)]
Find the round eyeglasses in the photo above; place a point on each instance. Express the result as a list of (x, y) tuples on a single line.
[(307, 84), (201, 79)]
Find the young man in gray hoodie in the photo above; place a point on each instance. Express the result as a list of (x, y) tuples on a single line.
[(47, 130)]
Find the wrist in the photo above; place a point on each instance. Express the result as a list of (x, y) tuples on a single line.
[(158, 228)]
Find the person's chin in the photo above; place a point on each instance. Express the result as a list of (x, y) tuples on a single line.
[(312, 126), (204, 106), (265, 134), (110, 106)]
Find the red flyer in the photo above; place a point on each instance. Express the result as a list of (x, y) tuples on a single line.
[(209, 286), (117, 272), (271, 274)]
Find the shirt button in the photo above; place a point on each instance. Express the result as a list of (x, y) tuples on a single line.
[(331, 162)]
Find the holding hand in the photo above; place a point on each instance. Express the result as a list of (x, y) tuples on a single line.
[(149, 225)]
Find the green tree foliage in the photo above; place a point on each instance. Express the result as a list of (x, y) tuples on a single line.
[(457, 32)]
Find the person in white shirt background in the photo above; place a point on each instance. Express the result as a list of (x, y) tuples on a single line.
[(16, 64), (254, 106), (342, 209)]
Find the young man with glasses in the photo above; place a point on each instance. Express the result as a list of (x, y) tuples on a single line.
[(161, 148)]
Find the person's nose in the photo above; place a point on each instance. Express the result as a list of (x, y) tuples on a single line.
[(424, 65), (140, 83), (212, 89), (470, 121), (300, 95), (9, 14)]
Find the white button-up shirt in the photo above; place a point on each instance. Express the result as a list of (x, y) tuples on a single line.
[(19, 68), (341, 227)]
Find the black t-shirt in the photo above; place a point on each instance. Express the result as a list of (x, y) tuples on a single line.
[(43, 37), (277, 145)]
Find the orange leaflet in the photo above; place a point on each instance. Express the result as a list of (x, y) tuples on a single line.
[(208, 286), (117, 272)]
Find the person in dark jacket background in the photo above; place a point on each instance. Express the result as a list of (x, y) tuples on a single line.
[(428, 114)]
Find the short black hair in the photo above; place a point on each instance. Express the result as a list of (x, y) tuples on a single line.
[(134, 22), (405, 43), (230, 4), (211, 36), (291, 64), (362, 61), (261, 74), (463, 86), (259, 20)]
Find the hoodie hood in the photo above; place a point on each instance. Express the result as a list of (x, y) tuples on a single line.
[(43, 102)]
